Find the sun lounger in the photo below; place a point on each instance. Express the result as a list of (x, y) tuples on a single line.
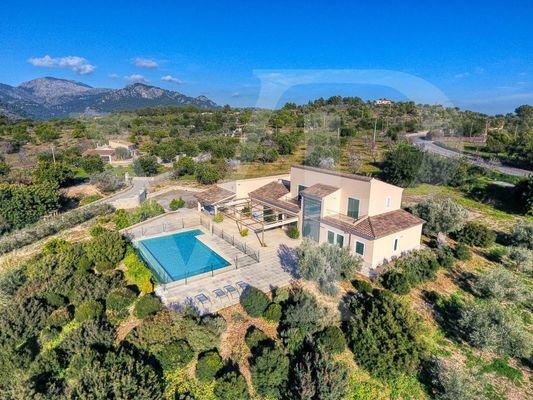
[(219, 293), (231, 290), (242, 285)]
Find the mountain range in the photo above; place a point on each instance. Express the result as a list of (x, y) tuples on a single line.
[(46, 98)]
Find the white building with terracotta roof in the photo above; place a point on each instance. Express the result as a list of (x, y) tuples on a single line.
[(360, 213)]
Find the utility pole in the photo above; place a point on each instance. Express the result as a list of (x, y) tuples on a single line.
[(374, 136), (53, 154)]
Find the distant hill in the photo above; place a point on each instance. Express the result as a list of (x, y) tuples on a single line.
[(46, 98)]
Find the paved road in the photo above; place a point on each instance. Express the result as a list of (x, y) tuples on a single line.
[(137, 185), (431, 147)]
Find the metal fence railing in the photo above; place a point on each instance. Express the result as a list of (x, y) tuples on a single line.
[(155, 229), (161, 275)]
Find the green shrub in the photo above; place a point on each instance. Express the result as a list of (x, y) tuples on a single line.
[(445, 257), (88, 310), (176, 204), (138, 273), (108, 248), (497, 253), (331, 340), (450, 382), (97, 230), (208, 366), (84, 265), (254, 337), (11, 280), (218, 218), (55, 246), (207, 173), (254, 301), (521, 235), (396, 281), (492, 327), (244, 232), (476, 234), (103, 267), (174, 355), (281, 295), (462, 252), (521, 259), (55, 299), (362, 286), (60, 317), (384, 334), (293, 232), (272, 312), (231, 386), (146, 305), (120, 299), (270, 372), (501, 284)]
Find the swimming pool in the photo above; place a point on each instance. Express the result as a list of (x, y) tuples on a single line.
[(179, 256)]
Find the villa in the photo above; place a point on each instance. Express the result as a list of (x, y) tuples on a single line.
[(360, 213), (115, 152)]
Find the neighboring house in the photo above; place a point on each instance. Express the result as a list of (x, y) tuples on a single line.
[(383, 102), (360, 213), (116, 152)]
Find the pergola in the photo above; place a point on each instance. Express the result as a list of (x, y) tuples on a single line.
[(259, 215)]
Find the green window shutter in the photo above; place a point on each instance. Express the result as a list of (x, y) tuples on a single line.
[(395, 244), (353, 208), (360, 248), (340, 240), (331, 237)]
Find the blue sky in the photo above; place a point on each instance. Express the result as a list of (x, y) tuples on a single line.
[(478, 53)]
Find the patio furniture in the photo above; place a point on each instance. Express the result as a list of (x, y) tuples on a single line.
[(231, 290), (202, 299), (243, 285), (219, 294)]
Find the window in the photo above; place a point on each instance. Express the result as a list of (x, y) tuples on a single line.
[(388, 202), (360, 248), (353, 208), (395, 246), (331, 237), (340, 240), (311, 219)]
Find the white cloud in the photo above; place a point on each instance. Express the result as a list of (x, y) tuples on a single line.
[(145, 63), (135, 78), (113, 76), (235, 95), (172, 79), (77, 64)]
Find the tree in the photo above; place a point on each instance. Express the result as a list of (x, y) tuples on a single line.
[(208, 366), (146, 166), (521, 235), (402, 165), (184, 166), (108, 248), (107, 181), (524, 195), (4, 166), (254, 301), (46, 132), (176, 204), (231, 386), (317, 376), (207, 173), (53, 172), (442, 215), (92, 164), (384, 334), (270, 372), (476, 234)]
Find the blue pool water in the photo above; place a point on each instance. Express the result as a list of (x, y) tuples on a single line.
[(179, 256)]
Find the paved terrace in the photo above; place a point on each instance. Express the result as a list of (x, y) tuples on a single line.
[(274, 269)]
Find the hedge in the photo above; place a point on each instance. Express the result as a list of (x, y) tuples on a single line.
[(146, 306), (138, 273), (51, 226), (254, 301)]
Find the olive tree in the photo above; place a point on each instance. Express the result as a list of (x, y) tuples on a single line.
[(442, 215)]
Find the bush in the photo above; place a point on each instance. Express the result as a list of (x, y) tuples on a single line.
[(521, 235), (254, 337), (270, 372), (103, 267), (445, 257), (231, 386), (147, 305), (492, 327), (208, 366), (331, 340), (384, 334), (146, 166), (501, 284), (475, 234), (88, 310), (450, 382), (176, 204), (55, 246), (396, 281), (462, 252), (272, 312), (293, 232), (174, 355), (97, 230), (362, 286), (55, 299), (60, 317), (520, 259), (107, 181), (441, 215), (107, 248), (244, 232), (90, 199), (218, 218), (138, 273), (254, 301), (120, 299), (148, 209), (207, 173)]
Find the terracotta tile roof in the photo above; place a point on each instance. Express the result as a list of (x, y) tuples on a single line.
[(334, 173), (319, 190), (214, 195), (100, 152), (271, 194), (378, 226)]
